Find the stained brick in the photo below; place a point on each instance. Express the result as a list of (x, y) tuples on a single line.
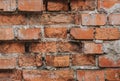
[(30, 5), (44, 75), (78, 5), (83, 60), (44, 47), (55, 32), (90, 75), (94, 19), (92, 48), (58, 61), (114, 19), (57, 5), (29, 34), (7, 5), (82, 33)]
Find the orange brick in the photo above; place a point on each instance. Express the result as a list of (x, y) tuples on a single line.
[(77, 5), (7, 5), (69, 47), (56, 32), (58, 61), (82, 33), (44, 47), (8, 62), (109, 60), (30, 5), (107, 33), (83, 60), (10, 75), (12, 48), (30, 60), (45, 75), (57, 5), (6, 34), (10, 19), (94, 19), (112, 74), (90, 75), (29, 34), (107, 4), (92, 48), (114, 19)]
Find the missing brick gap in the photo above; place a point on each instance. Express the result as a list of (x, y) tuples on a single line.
[(27, 47)]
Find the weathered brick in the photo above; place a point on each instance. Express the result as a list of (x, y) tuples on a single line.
[(107, 33), (92, 48), (114, 19), (69, 47), (109, 60), (111, 47), (57, 5), (58, 61), (43, 47), (30, 60), (7, 5), (12, 48), (55, 32), (55, 18), (108, 5), (112, 74), (90, 75), (82, 33), (10, 75), (93, 19), (77, 5), (30, 5), (10, 19), (44, 75), (83, 60), (29, 34), (8, 62), (6, 34)]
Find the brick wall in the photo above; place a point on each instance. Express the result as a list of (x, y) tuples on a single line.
[(59, 40)]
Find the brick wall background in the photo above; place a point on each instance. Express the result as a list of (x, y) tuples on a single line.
[(59, 40)]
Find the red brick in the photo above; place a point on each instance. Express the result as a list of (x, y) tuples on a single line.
[(43, 47), (114, 19), (94, 19), (55, 32), (77, 5), (58, 61), (57, 18), (107, 4), (7, 5), (82, 33), (109, 60), (57, 5), (6, 34), (112, 74), (107, 33), (44, 75), (30, 60), (29, 34), (69, 47), (8, 62), (90, 75), (12, 48), (83, 60), (30, 5), (12, 19), (92, 48), (10, 75)]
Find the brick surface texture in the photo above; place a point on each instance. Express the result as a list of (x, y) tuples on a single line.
[(59, 40)]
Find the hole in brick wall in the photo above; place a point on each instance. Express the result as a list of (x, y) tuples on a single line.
[(27, 47)]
